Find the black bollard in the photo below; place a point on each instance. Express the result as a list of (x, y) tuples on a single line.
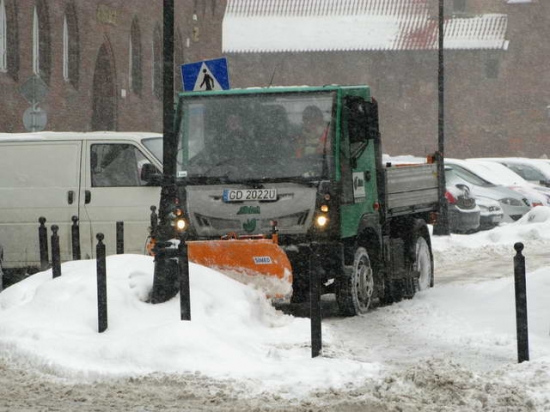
[(521, 304), (43, 243), (56, 253), (315, 305), (75, 238), (185, 295), (101, 284), (119, 238)]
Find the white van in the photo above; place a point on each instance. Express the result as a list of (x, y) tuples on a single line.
[(94, 176)]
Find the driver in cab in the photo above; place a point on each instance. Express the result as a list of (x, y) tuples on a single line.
[(314, 135)]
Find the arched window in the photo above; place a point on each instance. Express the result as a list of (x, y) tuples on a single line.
[(41, 42), (9, 40), (71, 46), (135, 59), (3, 38), (157, 62), (178, 60), (35, 43)]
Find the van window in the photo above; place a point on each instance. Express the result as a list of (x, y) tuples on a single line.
[(116, 165)]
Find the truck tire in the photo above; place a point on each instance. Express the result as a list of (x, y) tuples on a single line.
[(423, 263), (355, 289)]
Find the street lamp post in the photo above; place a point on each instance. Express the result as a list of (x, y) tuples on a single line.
[(441, 227), (164, 281)]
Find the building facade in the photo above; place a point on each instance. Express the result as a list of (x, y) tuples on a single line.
[(95, 64), (497, 61), (100, 63)]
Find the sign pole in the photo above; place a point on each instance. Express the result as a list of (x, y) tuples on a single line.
[(163, 285), (441, 227)]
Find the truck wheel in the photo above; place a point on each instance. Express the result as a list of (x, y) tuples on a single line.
[(356, 287), (424, 263)]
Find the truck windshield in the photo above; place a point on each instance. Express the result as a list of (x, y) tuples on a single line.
[(256, 137)]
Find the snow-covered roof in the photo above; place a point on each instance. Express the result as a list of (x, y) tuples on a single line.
[(331, 25), (101, 135)]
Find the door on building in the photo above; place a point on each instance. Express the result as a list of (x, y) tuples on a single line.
[(104, 105)]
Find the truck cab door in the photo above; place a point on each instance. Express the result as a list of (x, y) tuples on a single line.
[(114, 192), (357, 164)]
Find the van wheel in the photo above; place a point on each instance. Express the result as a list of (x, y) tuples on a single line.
[(355, 288)]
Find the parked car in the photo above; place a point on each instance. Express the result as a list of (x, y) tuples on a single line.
[(1, 272), (533, 170), (464, 213), (499, 174), (513, 204), (491, 214)]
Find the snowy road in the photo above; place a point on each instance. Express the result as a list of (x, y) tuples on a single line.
[(451, 348)]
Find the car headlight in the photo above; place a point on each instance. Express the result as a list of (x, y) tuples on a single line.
[(510, 201)]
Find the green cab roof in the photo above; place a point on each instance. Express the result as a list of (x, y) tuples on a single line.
[(359, 89)]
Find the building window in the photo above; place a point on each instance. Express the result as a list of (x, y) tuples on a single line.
[(41, 43), (35, 44), (135, 72), (71, 47), (491, 68), (459, 6), (3, 38), (157, 62), (178, 60), (65, 50), (9, 39)]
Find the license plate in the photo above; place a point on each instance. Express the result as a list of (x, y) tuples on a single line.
[(242, 195)]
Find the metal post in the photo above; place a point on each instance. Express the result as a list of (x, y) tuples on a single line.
[(165, 280), (162, 286), (315, 304), (56, 253), (169, 139), (185, 295), (119, 238), (101, 284), (441, 227), (43, 243), (521, 304), (75, 238)]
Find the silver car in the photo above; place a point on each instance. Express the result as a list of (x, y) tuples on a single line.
[(513, 204)]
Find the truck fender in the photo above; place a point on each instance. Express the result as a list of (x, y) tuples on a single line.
[(369, 236), (419, 226)]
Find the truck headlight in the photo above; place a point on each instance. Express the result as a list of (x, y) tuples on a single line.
[(321, 221), (178, 219), (181, 225)]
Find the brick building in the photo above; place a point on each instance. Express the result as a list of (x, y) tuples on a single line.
[(497, 92), (496, 65), (100, 61)]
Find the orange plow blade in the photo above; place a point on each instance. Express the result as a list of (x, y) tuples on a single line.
[(258, 262)]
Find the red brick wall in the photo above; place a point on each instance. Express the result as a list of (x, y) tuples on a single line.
[(71, 109)]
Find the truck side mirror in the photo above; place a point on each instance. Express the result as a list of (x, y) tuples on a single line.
[(150, 174), (362, 119)]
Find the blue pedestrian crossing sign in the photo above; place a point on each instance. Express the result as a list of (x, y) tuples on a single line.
[(205, 75)]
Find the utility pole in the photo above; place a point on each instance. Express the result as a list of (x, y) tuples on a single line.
[(164, 283), (169, 141), (441, 227)]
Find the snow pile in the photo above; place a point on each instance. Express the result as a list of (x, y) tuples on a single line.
[(234, 332), (452, 346)]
